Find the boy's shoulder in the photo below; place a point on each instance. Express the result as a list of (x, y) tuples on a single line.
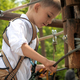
[(21, 20)]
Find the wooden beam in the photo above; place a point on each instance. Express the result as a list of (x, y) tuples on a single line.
[(9, 16), (67, 13), (56, 23), (50, 36)]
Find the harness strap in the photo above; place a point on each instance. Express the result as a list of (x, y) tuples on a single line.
[(13, 71), (34, 32), (7, 64), (5, 38), (6, 61)]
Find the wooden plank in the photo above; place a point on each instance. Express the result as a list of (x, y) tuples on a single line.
[(73, 30), (72, 2), (65, 45), (9, 16)]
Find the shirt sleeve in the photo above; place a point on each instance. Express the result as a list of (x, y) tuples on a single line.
[(16, 36), (33, 44)]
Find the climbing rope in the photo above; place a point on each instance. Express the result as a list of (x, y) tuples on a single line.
[(19, 7), (67, 55)]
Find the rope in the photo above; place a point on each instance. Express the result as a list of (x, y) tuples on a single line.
[(77, 39), (77, 42), (62, 69), (67, 55), (20, 7)]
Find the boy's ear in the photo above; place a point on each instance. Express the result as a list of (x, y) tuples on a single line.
[(36, 7)]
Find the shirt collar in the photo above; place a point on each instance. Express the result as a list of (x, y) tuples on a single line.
[(24, 16)]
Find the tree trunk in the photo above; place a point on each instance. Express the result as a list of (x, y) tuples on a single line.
[(42, 43)]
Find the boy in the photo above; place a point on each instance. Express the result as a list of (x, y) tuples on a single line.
[(19, 34)]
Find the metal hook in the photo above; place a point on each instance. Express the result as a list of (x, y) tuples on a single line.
[(1, 13)]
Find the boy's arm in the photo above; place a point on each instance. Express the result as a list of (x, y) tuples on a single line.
[(29, 52)]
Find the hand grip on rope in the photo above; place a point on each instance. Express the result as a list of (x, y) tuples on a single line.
[(42, 71)]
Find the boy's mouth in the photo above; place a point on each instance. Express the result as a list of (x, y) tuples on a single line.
[(44, 24)]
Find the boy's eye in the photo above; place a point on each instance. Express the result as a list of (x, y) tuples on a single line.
[(49, 16)]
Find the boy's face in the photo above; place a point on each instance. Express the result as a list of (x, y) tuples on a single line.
[(44, 15)]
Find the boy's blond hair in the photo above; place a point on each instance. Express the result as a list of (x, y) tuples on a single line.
[(47, 3)]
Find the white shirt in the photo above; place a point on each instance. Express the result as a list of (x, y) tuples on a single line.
[(18, 32)]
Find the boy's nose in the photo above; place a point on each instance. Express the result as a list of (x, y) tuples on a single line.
[(49, 21)]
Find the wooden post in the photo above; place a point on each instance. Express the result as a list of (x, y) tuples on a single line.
[(65, 45), (73, 31), (72, 2), (71, 25), (67, 13), (77, 15)]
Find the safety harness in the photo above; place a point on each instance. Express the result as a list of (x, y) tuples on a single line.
[(11, 75)]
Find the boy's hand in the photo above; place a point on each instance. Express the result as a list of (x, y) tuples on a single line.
[(49, 65), (41, 68)]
